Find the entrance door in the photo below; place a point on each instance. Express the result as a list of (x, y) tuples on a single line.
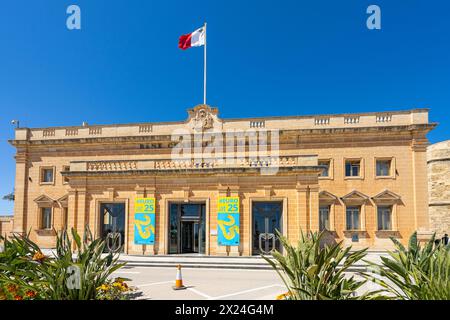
[(187, 228), (112, 225), (266, 220)]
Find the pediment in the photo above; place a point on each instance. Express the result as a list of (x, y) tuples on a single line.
[(355, 197), (327, 197), (64, 200), (386, 196), (44, 200)]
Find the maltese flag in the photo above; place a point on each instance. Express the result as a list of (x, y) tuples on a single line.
[(194, 39)]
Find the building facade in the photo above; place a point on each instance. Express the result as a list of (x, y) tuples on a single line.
[(362, 177), (439, 187)]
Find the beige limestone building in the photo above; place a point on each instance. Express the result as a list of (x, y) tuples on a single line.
[(439, 187), (362, 177)]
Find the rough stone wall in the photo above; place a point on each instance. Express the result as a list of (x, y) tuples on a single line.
[(438, 157)]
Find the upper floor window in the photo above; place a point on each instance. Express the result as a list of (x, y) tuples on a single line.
[(324, 218), (353, 168), (353, 218), (326, 170), (383, 168), (384, 217), (46, 218), (47, 175)]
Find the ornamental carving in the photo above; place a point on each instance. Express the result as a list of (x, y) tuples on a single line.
[(202, 117)]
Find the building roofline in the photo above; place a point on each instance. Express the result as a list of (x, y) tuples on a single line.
[(408, 111)]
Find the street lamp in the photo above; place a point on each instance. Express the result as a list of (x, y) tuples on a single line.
[(15, 122)]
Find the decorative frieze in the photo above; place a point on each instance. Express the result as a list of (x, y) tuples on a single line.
[(95, 131), (321, 121), (351, 120), (48, 133), (257, 124), (119, 165), (384, 118), (145, 128), (71, 132)]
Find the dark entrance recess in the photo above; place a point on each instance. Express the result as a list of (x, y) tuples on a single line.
[(112, 225), (266, 220), (187, 228)]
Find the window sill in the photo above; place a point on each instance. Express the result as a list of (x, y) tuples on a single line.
[(384, 177), (326, 178), (46, 232), (354, 178), (387, 233), (46, 183)]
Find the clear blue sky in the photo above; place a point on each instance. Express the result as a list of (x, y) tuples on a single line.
[(265, 58)]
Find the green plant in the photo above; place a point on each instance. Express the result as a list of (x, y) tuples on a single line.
[(69, 275), (415, 273), (313, 272), (15, 259)]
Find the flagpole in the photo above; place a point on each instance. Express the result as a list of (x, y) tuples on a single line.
[(204, 71)]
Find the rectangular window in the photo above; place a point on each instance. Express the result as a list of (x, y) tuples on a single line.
[(326, 170), (66, 169), (353, 220), (384, 218), (46, 218), (383, 168), (324, 218), (47, 175), (352, 168)]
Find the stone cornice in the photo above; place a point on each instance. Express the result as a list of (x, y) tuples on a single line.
[(423, 128)]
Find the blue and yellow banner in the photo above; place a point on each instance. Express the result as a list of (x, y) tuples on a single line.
[(144, 221), (228, 221)]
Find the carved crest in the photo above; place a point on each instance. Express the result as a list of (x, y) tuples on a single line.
[(202, 117)]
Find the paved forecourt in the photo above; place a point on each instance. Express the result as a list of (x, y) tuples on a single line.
[(205, 284)]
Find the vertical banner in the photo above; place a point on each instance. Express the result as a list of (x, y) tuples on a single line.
[(144, 221), (228, 221)]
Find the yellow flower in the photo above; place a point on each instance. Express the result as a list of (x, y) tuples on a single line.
[(103, 287), (38, 256), (283, 296)]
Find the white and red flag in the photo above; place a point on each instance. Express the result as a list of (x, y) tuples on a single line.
[(193, 39), (196, 39)]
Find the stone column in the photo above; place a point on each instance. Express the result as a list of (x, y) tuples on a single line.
[(303, 214), (314, 207), (21, 192), (420, 187), (71, 209), (81, 211)]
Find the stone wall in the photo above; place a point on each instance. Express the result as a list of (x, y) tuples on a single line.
[(6, 225), (438, 156)]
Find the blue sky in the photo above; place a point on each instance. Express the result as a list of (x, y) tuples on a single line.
[(265, 58)]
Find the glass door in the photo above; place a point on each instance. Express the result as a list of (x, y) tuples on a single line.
[(187, 228), (112, 225), (266, 221)]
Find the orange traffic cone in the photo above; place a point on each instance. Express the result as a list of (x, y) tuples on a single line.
[(179, 280)]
